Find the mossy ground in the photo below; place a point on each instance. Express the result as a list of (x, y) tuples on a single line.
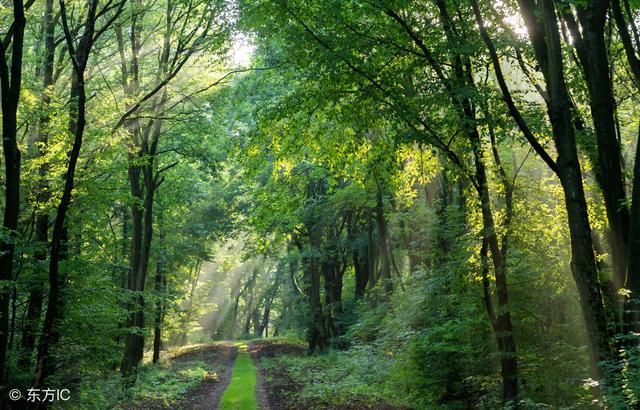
[(241, 393)]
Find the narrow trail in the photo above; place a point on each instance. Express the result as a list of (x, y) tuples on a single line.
[(240, 379), (246, 389), (210, 394), (261, 391), (238, 385), (244, 384)]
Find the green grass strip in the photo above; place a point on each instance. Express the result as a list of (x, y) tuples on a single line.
[(241, 392)]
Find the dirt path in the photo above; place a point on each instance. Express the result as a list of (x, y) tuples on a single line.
[(276, 391), (261, 392), (207, 396), (209, 393)]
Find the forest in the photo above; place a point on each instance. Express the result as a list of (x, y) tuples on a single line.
[(330, 204)]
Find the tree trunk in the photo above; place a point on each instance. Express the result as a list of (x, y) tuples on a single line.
[(157, 328), (316, 334), (10, 83), (633, 274), (463, 76), (264, 324), (383, 243), (144, 180), (593, 56), (503, 323), (36, 293), (134, 340), (77, 121), (359, 255), (542, 25), (632, 310), (370, 254)]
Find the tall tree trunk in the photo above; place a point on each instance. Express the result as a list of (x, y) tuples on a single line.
[(193, 282), (359, 257), (134, 340), (77, 121), (316, 333), (542, 25), (160, 280), (503, 323), (79, 53), (328, 274), (593, 57), (370, 254), (144, 178), (249, 301), (264, 324), (36, 293), (633, 277), (10, 83), (632, 310), (293, 265), (383, 243), (463, 77)]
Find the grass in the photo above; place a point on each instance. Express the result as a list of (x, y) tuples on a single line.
[(358, 378), (241, 392), (159, 385)]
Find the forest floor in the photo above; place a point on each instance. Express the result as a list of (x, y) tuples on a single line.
[(217, 359), (208, 394), (278, 385), (276, 388), (284, 378), (241, 394)]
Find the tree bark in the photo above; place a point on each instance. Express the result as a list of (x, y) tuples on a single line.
[(160, 281), (542, 26), (144, 178), (593, 57), (10, 83), (264, 324), (316, 333), (632, 309), (633, 275), (383, 243), (77, 120), (79, 54), (503, 323), (36, 293), (463, 77)]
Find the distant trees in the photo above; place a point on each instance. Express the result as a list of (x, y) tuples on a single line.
[(183, 29)]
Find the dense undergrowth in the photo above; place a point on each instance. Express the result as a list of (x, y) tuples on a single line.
[(429, 348), (160, 385)]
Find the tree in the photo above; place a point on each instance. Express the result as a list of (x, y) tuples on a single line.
[(10, 81), (79, 53)]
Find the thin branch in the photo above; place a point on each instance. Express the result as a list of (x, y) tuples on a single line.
[(506, 93)]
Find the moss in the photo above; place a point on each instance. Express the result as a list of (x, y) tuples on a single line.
[(241, 392)]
